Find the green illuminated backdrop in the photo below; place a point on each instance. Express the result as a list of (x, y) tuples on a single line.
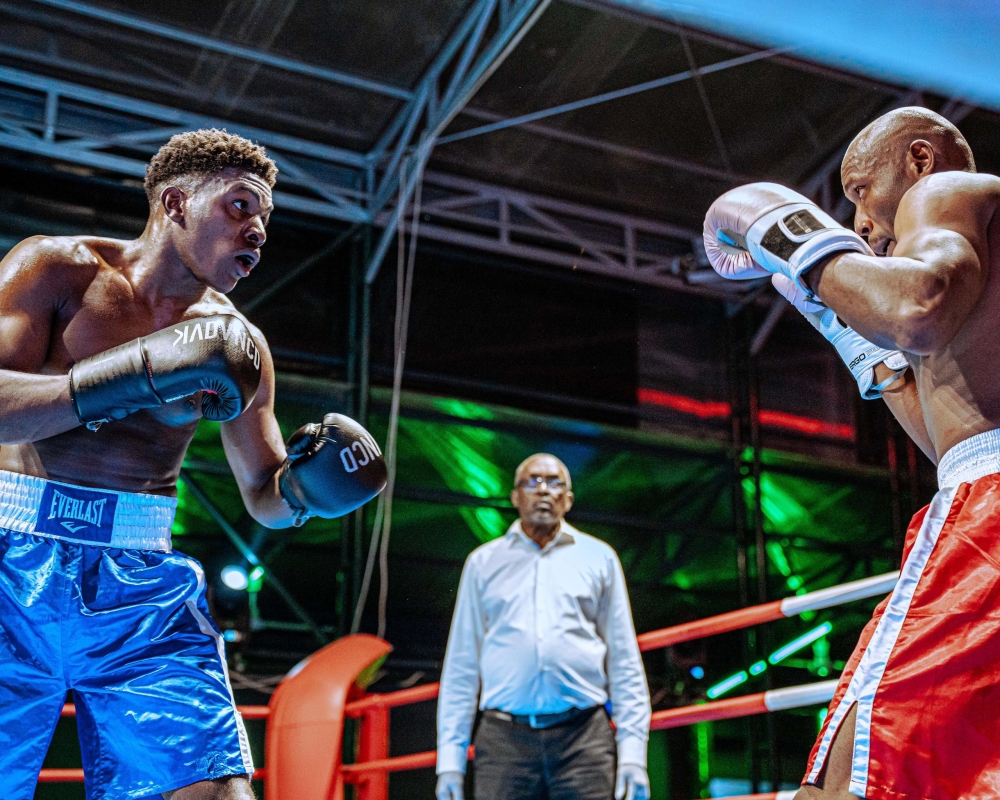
[(665, 503)]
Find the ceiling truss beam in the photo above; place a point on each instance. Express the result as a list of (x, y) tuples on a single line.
[(606, 97), (225, 48), (475, 56), (45, 117)]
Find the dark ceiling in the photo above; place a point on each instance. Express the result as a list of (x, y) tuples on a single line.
[(663, 153)]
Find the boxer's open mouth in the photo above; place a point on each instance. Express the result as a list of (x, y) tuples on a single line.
[(247, 261)]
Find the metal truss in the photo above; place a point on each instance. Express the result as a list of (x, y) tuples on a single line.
[(380, 153), (116, 134), (605, 146), (499, 220), (76, 124), (468, 59), (170, 33)]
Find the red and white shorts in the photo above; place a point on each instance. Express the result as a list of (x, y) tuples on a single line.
[(926, 673)]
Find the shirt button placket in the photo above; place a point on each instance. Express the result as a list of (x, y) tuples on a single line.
[(539, 620)]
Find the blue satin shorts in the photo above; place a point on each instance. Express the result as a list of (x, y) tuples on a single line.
[(127, 629)]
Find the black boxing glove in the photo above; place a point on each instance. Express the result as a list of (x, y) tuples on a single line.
[(333, 467), (216, 355)]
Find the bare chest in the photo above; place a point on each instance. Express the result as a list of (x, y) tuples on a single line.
[(109, 312)]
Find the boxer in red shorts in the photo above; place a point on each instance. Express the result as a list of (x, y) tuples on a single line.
[(917, 711)]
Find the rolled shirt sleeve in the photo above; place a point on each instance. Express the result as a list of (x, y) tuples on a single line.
[(627, 687), (459, 693)]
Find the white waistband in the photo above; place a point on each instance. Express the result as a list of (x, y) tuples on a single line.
[(88, 516), (977, 456)]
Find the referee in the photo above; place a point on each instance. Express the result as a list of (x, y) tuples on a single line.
[(542, 643)]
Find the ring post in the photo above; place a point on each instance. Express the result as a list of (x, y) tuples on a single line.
[(373, 745), (305, 730)]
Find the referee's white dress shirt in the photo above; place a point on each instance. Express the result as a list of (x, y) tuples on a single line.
[(540, 631)]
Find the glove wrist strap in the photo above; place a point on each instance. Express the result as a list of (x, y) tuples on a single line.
[(299, 513), (794, 238), (861, 358)]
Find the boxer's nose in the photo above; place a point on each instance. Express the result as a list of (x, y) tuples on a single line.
[(863, 224)]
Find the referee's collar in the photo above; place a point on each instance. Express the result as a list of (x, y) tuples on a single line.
[(565, 535)]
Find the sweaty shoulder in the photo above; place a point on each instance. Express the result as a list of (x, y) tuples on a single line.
[(52, 259), (949, 199)]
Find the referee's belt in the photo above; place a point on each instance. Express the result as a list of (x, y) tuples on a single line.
[(538, 720)]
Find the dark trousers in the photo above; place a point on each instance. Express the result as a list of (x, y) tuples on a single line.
[(574, 761)]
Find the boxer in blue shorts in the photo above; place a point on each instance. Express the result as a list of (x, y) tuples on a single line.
[(110, 353)]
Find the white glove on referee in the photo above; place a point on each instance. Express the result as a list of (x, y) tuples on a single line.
[(632, 783), (450, 786)]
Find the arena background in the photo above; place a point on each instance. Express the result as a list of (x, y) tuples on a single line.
[(560, 302)]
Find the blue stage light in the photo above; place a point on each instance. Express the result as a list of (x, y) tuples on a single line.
[(235, 577)]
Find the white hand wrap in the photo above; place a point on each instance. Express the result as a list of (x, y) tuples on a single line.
[(860, 355)]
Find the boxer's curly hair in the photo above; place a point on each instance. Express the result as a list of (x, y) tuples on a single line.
[(202, 153)]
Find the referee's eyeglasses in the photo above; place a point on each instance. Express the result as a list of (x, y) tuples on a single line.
[(534, 483)]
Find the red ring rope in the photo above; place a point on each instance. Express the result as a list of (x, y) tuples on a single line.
[(669, 718)]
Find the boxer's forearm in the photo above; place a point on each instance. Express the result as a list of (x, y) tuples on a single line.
[(255, 453), (266, 505), (34, 407), (902, 399), (896, 302)]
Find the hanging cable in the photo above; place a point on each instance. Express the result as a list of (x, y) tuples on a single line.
[(397, 388), (369, 565), (405, 265)]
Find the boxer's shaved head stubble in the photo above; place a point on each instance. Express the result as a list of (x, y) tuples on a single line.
[(888, 157)]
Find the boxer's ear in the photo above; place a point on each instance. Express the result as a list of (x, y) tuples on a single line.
[(920, 159), (174, 201)]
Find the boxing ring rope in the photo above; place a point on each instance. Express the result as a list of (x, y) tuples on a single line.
[(369, 774), (785, 795)]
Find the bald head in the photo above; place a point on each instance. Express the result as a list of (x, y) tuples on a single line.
[(889, 137), (542, 464), (888, 158), (542, 495)]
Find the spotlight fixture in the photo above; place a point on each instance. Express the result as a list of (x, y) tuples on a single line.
[(235, 577)]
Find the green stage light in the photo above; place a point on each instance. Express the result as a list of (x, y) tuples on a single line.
[(797, 644), (703, 732), (256, 579), (727, 684), (777, 554), (757, 668)]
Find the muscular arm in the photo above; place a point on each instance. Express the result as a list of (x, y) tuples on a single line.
[(902, 400), (256, 450), (916, 299), (32, 280)]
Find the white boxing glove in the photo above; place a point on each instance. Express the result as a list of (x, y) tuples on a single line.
[(765, 228), (860, 355)]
